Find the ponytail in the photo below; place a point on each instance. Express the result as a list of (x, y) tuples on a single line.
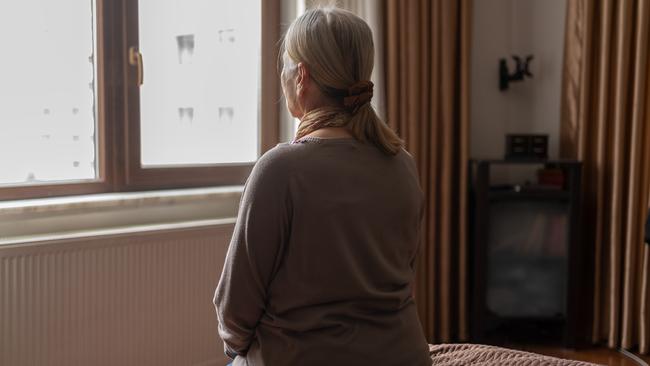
[(365, 125)]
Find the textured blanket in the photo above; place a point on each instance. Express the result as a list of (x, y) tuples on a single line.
[(479, 355)]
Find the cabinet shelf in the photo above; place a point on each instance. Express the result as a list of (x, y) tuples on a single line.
[(539, 194)]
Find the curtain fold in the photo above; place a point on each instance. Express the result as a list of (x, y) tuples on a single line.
[(427, 86), (606, 124)]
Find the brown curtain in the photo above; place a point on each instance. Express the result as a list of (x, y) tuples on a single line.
[(605, 123), (427, 88)]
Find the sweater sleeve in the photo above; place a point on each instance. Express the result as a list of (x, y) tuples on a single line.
[(261, 232)]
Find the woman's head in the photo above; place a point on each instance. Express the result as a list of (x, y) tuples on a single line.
[(328, 57), (331, 48)]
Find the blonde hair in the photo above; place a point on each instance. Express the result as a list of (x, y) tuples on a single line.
[(337, 47)]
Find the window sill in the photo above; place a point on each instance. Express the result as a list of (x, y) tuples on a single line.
[(26, 221)]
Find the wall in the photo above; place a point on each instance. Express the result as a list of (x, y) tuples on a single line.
[(502, 28)]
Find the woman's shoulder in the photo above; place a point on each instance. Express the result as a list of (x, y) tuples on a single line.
[(281, 158), (282, 153)]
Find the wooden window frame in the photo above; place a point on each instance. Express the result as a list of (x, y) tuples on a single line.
[(118, 114)]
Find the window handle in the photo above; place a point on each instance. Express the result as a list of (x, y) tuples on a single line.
[(135, 59)]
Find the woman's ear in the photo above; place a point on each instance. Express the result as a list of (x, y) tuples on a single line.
[(303, 79)]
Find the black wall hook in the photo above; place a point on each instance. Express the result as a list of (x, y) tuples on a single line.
[(521, 71)]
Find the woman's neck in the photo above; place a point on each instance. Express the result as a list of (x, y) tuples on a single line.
[(331, 133)]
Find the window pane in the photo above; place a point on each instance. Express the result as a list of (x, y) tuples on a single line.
[(47, 91), (199, 102)]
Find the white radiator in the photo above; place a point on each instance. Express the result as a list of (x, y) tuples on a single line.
[(128, 299)]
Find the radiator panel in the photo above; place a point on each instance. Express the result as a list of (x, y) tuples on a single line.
[(136, 299)]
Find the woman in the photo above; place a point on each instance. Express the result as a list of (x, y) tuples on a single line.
[(320, 266)]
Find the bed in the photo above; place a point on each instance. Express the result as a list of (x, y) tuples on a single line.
[(481, 355)]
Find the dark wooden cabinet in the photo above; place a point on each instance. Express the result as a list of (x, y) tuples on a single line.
[(530, 270)]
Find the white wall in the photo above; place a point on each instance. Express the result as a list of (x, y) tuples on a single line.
[(502, 28)]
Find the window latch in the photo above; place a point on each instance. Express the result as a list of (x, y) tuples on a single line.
[(135, 59)]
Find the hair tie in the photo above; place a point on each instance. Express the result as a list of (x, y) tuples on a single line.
[(358, 95)]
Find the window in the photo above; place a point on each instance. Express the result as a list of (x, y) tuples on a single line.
[(48, 92), (130, 95), (199, 104)]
